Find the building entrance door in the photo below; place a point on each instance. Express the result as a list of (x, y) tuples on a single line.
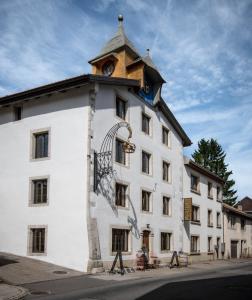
[(234, 249), (146, 240)]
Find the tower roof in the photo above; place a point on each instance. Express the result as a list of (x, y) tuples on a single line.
[(119, 40)]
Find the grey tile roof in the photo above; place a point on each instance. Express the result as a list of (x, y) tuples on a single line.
[(118, 41)]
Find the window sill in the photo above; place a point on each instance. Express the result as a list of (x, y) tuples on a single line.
[(210, 252), (123, 253), (146, 212), (167, 216), (122, 207), (210, 197), (194, 253), (39, 159), (195, 192), (219, 200), (37, 254), (38, 204), (121, 164), (218, 226), (196, 223), (165, 251), (210, 225)]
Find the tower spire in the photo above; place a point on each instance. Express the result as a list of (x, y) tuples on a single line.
[(120, 24)]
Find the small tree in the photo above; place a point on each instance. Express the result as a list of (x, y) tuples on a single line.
[(211, 156)]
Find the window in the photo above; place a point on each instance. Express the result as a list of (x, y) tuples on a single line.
[(195, 214), (209, 218), (218, 191), (17, 113), (218, 219), (146, 201), (37, 236), (39, 191), (195, 183), (40, 147), (120, 154), (146, 162), (194, 244), (166, 168), (166, 206), (121, 108), (243, 224), (210, 190), (232, 221), (165, 241), (145, 124), (120, 240), (165, 136), (209, 244), (121, 192)]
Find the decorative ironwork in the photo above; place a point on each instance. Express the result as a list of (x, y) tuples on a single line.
[(103, 160)]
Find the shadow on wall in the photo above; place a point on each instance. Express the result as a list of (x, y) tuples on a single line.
[(106, 187)]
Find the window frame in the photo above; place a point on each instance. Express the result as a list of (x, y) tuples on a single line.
[(165, 129), (147, 117), (210, 192), (197, 221), (17, 113), (35, 133), (209, 244), (117, 99), (129, 242), (218, 219), (170, 241), (149, 162), (150, 207), (165, 162), (30, 240), (124, 154), (192, 250), (31, 190), (169, 206), (197, 191), (126, 185), (209, 218)]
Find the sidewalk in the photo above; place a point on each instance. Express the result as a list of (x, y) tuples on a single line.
[(17, 270), (11, 292)]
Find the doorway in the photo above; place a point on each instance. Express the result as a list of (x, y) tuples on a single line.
[(234, 249), (146, 240)]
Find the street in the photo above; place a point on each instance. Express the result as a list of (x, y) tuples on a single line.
[(208, 281)]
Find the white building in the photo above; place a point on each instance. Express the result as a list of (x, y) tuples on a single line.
[(203, 232), (237, 233), (52, 207)]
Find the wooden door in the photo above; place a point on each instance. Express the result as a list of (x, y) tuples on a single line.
[(233, 249), (146, 240)]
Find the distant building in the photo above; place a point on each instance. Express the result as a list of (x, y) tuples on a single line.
[(237, 232), (245, 205)]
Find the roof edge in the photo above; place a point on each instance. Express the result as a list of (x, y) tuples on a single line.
[(66, 84), (192, 164), (170, 116), (235, 210)]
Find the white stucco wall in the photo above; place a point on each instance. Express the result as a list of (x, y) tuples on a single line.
[(66, 115), (204, 203), (104, 119), (237, 234)]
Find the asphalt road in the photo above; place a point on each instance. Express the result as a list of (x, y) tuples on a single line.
[(229, 282)]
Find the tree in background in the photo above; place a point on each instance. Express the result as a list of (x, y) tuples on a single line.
[(211, 156)]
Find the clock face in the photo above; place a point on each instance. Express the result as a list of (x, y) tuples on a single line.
[(108, 68)]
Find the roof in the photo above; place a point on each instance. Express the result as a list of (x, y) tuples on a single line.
[(64, 85), (171, 118), (118, 41), (235, 210), (246, 204), (149, 62), (193, 165)]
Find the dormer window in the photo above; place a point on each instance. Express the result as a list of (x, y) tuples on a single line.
[(108, 68)]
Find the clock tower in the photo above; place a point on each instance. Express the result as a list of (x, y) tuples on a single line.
[(119, 58)]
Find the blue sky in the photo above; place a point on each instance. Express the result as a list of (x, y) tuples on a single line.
[(202, 48)]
